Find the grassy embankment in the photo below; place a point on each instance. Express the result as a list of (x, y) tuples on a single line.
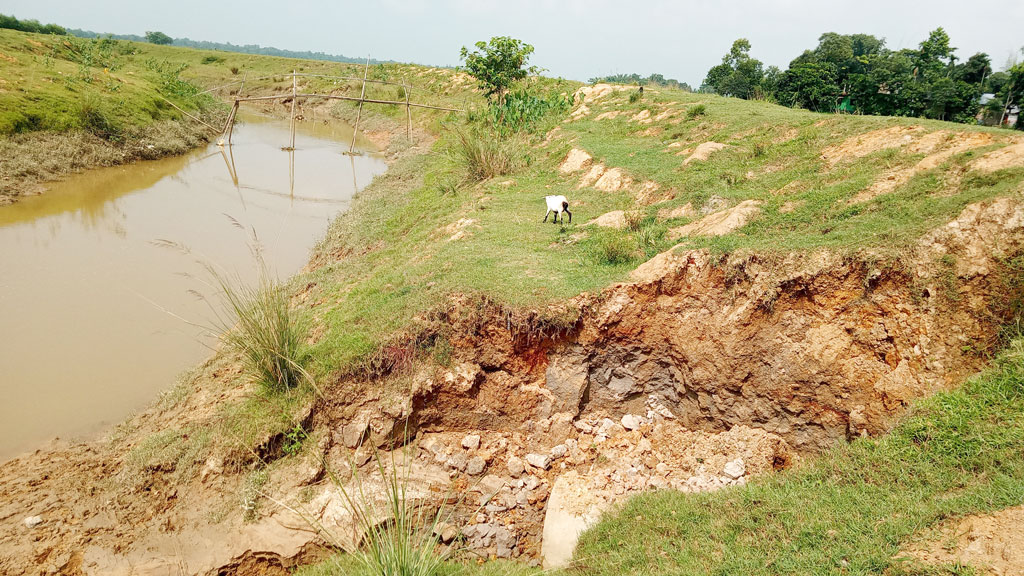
[(68, 104), (395, 256)]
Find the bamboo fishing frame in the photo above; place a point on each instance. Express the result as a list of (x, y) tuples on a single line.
[(295, 95)]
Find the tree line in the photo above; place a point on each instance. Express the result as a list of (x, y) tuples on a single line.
[(652, 80), (857, 73), (12, 23)]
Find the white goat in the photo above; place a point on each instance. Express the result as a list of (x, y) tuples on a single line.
[(557, 204)]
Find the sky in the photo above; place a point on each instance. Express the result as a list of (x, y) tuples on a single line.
[(574, 39)]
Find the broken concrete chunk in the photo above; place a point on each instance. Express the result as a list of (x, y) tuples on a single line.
[(541, 461)]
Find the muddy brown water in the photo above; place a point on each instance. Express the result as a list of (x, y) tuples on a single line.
[(94, 313)]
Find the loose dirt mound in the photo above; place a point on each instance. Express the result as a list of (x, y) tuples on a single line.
[(642, 117), (609, 115), (720, 223), (703, 152), (460, 229), (592, 175), (1009, 157), (864, 144), (613, 180), (993, 544), (575, 161), (592, 93), (615, 219)]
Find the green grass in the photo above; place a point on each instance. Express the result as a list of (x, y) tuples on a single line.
[(391, 260), (849, 511)]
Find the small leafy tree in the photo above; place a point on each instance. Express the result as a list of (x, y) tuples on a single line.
[(158, 38), (498, 64)]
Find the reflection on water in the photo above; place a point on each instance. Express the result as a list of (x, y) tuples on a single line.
[(87, 300)]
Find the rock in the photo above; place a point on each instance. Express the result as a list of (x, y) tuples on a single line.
[(33, 521), (504, 541), (735, 469), (559, 451), (644, 446), (458, 461), (471, 442), (354, 432), (515, 467), (605, 427), (571, 509), (566, 378), (575, 161), (721, 222), (631, 422), (583, 426), (541, 461), (475, 466), (532, 483), (446, 532)]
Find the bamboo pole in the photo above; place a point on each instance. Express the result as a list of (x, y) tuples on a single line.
[(294, 97), (408, 112), (187, 114), (352, 99), (242, 87), (231, 125), (359, 114)]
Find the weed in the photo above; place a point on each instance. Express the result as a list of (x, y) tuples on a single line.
[(485, 154), (212, 59), (252, 492), (696, 111), (635, 97), (293, 440), (760, 149)]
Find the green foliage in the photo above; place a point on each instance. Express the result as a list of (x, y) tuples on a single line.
[(696, 111), (850, 511), (212, 59), (738, 75), (498, 64), (635, 97), (523, 111), (158, 38), (614, 249), (12, 23), (860, 70), (293, 440)]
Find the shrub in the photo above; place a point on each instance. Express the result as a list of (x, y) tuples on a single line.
[(521, 111), (234, 70), (698, 110), (635, 97), (486, 154), (213, 59)]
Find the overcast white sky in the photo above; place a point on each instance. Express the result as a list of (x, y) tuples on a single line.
[(574, 38)]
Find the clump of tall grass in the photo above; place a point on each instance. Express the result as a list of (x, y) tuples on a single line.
[(615, 249), (263, 328), (698, 110), (486, 154), (256, 320)]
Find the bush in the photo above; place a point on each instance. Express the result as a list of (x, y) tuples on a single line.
[(93, 118), (486, 154), (213, 59), (521, 111), (698, 110), (635, 97)]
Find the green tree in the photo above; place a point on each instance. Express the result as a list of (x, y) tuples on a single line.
[(158, 38), (738, 75), (498, 65)]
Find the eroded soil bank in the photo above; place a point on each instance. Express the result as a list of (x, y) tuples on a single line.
[(697, 373)]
